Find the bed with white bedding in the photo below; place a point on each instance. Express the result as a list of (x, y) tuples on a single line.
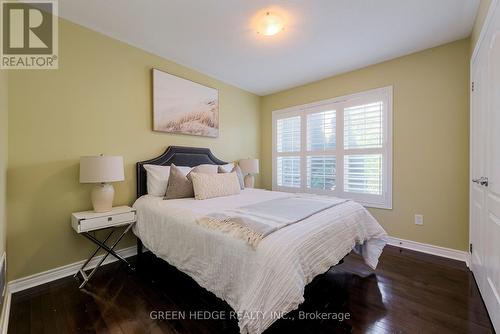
[(258, 283)]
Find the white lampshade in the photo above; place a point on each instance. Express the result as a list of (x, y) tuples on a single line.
[(101, 168), (249, 166)]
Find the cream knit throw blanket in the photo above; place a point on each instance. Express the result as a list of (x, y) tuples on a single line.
[(253, 223)]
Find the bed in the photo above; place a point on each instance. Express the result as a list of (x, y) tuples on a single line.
[(262, 284)]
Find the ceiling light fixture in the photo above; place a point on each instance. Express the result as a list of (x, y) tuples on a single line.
[(269, 24)]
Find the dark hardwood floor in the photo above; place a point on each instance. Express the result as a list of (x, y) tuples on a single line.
[(409, 292)]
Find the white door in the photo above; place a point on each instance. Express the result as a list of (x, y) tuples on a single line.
[(485, 168), (478, 139)]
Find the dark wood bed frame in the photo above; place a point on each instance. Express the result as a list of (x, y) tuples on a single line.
[(180, 156)]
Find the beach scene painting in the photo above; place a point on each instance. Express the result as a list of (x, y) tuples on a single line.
[(183, 106)]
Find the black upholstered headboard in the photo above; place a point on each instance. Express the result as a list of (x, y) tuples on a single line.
[(178, 155)]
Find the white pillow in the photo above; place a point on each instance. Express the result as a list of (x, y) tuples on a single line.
[(214, 185), (157, 178), (227, 167)]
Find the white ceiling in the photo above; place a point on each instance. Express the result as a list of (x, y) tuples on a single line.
[(322, 37)]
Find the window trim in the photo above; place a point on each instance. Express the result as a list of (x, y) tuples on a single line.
[(383, 201)]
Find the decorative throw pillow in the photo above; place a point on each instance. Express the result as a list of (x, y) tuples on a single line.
[(214, 185), (207, 169), (157, 178), (236, 169), (227, 168), (179, 185)]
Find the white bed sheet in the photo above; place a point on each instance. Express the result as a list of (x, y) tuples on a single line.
[(257, 284)]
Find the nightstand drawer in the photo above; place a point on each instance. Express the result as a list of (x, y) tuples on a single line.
[(106, 221)]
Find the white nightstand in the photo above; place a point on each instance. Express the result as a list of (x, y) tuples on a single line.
[(89, 221)]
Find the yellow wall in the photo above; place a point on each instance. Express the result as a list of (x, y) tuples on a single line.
[(3, 168), (99, 101), (430, 169), (478, 24), (3, 156)]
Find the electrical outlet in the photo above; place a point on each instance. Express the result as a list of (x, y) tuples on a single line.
[(419, 219)]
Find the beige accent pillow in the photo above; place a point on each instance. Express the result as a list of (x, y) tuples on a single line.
[(236, 169), (215, 185), (179, 185), (206, 169)]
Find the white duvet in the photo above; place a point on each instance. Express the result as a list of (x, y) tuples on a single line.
[(263, 283)]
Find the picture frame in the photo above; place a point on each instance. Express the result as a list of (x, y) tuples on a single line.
[(184, 107)]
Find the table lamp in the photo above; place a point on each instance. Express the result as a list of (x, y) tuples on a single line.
[(102, 169), (249, 167)]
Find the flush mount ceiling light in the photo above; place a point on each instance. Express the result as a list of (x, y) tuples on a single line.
[(269, 24)]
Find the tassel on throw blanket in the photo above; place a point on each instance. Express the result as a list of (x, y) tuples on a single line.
[(253, 223)]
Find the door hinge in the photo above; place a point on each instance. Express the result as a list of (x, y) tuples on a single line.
[(472, 85), (470, 248)]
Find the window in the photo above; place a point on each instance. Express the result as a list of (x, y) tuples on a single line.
[(340, 147)]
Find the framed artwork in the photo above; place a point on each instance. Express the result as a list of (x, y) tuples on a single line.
[(183, 106)]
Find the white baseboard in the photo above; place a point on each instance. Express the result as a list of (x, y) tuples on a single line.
[(430, 249), (60, 272), (52, 275), (67, 270)]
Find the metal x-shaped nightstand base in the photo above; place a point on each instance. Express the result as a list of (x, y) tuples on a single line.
[(108, 249)]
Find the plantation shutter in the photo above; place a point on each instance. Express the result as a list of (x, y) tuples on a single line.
[(321, 145), (363, 129), (288, 141), (340, 147)]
